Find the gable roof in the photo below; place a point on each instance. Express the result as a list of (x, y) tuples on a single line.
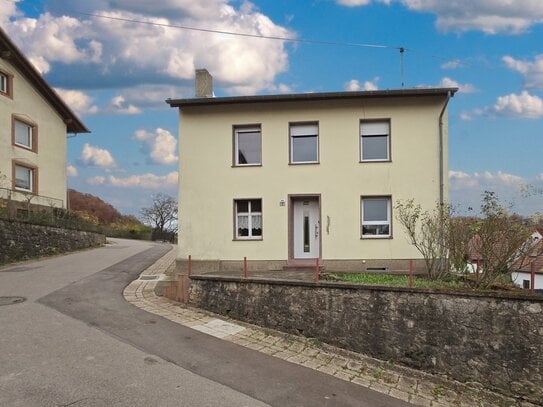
[(11, 53), (299, 97), (534, 255)]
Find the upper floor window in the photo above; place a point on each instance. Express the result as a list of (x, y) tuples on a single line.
[(304, 143), (375, 140), (24, 177), (376, 214), (247, 145), (248, 218), (24, 133), (5, 84)]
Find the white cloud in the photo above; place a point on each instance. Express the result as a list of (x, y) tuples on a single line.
[(147, 181), (71, 171), (131, 101), (516, 193), (489, 16), (354, 3), (78, 101), (466, 116), (153, 96), (98, 180), (523, 106), (161, 146), (462, 88), (282, 88), (460, 179), (51, 39), (531, 71), (112, 50), (118, 105), (97, 157), (454, 64), (8, 11), (483, 180), (355, 85)]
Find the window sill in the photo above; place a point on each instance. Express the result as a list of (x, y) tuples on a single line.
[(25, 147), (246, 165), (374, 161), (26, 191), (304, 163), (248, 239), (375, 237)]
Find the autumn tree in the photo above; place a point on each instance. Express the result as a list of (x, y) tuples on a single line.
[(93, 206)]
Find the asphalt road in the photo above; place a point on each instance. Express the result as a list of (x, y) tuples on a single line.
[(75, 341)]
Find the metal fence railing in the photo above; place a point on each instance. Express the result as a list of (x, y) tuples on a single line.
[(29, 198)]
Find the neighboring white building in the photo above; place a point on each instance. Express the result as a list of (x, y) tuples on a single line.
[(286, 179), (522, 273), (33, 125)]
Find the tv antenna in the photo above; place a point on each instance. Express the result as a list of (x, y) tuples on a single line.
[(402, 50)]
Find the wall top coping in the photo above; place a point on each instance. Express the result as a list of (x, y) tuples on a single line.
[(361, 287)]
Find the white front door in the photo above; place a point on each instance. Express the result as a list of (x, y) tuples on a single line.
[(306, 229)]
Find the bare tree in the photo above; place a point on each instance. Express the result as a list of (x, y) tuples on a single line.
[(426, 231), (162, 215), (446, 242), (500, 240), (459, 234)]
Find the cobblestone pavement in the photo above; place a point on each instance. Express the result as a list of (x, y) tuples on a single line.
[(416, 387)]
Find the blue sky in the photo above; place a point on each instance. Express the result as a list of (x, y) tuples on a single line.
[(117, 74)]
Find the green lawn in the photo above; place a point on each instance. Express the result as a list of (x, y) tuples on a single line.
[(390, 280)]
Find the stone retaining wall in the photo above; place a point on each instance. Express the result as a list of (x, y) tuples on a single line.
[(493, 339), (21, 241)]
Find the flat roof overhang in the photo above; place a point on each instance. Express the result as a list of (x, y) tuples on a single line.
[(299, 97)]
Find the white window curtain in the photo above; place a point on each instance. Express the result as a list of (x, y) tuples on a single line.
[(256, 221), (243, 222)]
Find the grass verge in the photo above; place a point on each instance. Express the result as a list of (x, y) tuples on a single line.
[(392, 280)]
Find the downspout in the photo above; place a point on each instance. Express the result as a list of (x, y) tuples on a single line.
[(441, 159), (442, 184)]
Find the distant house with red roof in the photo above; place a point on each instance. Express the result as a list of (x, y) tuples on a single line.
[(521, 270)]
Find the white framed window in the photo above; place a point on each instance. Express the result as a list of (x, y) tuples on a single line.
[(247, 145), (24, 134), (6, 84), (24, 178), (376, 215), (375, 140), (3, 83), (304, 143), (248, 219)]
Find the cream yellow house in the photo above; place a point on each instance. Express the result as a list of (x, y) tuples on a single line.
[(286, 179), (33, 125)]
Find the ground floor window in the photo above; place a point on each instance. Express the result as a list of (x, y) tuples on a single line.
[(526, 284), (24, 178), (248, 218), (376, 215)]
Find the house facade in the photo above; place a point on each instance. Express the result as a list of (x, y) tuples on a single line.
[(34, 122), (287, 179)]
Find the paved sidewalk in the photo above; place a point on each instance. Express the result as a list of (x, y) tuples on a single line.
[(416, 387)]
